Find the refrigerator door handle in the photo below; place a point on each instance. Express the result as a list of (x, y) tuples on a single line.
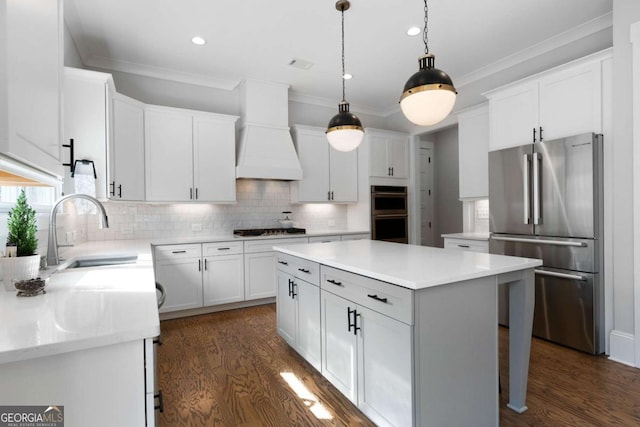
[(525, 188), (540, 241), (536, 189), (560, 275)]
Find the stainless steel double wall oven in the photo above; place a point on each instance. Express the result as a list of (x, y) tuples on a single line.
[(389, 216)]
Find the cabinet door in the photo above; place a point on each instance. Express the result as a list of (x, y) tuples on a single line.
[(385, 371), (313, 152), (286, 309), (259, 274), (473, 152), (168, 156), (182, 279), (378, 160), (343, 180), (514, 115), (308, 322), (127, 149), (214, 160), (223, 279), (339, 345), (571, 101), (31, 64), (398, 154)]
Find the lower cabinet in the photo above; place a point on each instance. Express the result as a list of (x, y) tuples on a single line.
[(222, 273), (472, 245)]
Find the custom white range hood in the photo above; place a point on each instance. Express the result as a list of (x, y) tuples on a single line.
[(266, 149)]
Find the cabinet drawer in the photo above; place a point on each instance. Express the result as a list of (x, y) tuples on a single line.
[(467, 245), (316, 239), (385, 298), (266, 245), (222, 248), (301, 268), (167, 252)]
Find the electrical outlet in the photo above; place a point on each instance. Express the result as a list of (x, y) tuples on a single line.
[(196, 227)]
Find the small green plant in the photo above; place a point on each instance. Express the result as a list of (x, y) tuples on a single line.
[(22, 227)]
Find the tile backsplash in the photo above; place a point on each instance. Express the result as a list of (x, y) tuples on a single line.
[(259, 205)]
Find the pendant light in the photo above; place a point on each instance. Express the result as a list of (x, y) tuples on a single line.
[(428, 95), (345, 131)]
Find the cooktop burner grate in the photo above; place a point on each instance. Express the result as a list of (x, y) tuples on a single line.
[(252, 232)]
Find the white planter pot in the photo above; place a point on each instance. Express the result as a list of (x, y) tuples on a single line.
[(19, 268)]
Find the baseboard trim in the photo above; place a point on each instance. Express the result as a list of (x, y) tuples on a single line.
[(215, 308), (622, 348)]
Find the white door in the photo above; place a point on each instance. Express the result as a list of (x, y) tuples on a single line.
[(385, 369), (259, 274), (182, 280), (571, 101), (127, 149), (514, 116), (223, 279), (214, 160), (343, 175), (168, 156), (313, 151), (286, 309), (398, 153), (427, 224), (339, 357), (308, 322)]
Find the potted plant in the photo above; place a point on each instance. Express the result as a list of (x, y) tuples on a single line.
[(22, 229)]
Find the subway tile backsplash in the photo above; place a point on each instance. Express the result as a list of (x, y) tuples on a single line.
[(259, 204)]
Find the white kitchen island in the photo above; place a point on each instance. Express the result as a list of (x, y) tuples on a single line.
[(408, 333)]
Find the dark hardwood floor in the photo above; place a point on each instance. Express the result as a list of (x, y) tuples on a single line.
[(225, 369)]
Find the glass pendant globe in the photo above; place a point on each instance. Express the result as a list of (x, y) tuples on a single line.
[(345, 139), (428, 107)]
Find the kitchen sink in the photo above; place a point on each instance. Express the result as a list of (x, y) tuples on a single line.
[(98, 261)]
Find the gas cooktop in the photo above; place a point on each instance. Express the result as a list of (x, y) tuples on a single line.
[(252, 232)]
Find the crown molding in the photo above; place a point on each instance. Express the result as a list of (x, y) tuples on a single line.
[(320, 101)]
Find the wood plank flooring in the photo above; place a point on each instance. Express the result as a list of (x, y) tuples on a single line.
[(224, 369)]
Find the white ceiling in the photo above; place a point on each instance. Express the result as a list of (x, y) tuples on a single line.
[(258, 39)]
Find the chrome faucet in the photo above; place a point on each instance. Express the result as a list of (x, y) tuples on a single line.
[(52, 248)]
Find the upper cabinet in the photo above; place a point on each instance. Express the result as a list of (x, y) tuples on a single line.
[(473, 150), (126, 150), (389, 153), (189, 155), (329, 175), (561, 102), (87, 121), (31, 63)]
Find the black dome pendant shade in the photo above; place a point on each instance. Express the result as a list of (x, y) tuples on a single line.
[(344, 119), (428, 78)]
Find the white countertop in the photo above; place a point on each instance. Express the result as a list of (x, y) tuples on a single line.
[(231, 237), (83, 308), (410, 266), (468, 236)]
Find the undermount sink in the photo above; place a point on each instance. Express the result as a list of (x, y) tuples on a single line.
[(98, 261)]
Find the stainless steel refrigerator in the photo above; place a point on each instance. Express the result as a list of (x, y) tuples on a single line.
[(545, 201)]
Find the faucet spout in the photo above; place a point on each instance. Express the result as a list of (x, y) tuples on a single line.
[(52, 247)]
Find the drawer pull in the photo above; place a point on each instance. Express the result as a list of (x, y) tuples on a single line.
[(304, 270), (160, 405), (223, 249), (377, 298), (178, 252), (463, 246), (283, 262), (333, 282)]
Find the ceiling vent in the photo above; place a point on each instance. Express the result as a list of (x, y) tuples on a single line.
[(300, 63)]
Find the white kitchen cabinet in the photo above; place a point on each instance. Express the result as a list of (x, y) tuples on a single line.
[(179, 269), (473, 152), (223, 273), (189, 155), (298, 312), (329, 175), (561, 102), (388, 153), (87, 121), (126, 150), (259, 267), (31, 81), (472, 245)]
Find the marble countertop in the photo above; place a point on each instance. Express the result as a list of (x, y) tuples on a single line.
[(468, 236), (411, 266)]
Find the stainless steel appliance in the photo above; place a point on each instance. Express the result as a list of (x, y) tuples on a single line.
[(389, 216), (545, 202)]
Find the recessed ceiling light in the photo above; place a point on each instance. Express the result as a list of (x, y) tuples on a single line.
[(347, 76), (198, 40), (414, 31)]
